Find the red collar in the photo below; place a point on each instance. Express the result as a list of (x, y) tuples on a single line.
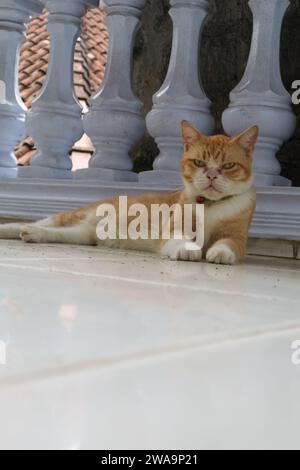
[(200, 200), (208, 202)]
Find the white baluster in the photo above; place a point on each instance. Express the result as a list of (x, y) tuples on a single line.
[(181, 96), (55, 121), (115, 122), (261, 98), (13, 16)]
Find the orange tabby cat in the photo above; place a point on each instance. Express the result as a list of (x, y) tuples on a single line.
[(217, 172)]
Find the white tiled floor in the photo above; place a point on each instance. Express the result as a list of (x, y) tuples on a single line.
[(108, 349)]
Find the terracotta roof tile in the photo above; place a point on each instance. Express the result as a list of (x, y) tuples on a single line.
[(25, 159), (89, 67), (95, 37)]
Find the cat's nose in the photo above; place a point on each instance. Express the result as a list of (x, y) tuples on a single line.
[(212, 174)]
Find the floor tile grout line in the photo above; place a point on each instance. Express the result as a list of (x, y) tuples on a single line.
[(155, 283), (144, 356)]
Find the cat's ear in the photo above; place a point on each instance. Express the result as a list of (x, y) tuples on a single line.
[(190, 134), (247, 139)]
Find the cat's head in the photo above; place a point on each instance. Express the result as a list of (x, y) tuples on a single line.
[(219, 166)]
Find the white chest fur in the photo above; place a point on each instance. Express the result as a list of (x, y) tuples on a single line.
[(227, 209)]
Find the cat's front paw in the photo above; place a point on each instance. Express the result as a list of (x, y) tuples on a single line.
[(220, 253), (182, 250), (30, 234)]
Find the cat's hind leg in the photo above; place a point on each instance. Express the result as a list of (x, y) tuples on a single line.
[(12, 231), (75, 235)]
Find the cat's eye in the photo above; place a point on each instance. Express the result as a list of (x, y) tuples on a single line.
[(229, 166), (199, 163)]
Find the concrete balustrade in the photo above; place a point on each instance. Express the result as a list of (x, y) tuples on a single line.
[(55, 121), (181, 95), (13, 16), (115, 122), (260, 98)]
